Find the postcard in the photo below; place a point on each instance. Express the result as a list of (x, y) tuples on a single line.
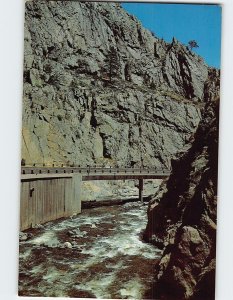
[(119, 157)]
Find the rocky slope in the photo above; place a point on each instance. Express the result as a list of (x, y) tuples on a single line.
[(182, 218), (79, 108)]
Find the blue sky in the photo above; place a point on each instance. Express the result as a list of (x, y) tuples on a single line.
[(185, 22)]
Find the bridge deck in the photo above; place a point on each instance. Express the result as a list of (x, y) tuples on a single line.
[(94, 173)]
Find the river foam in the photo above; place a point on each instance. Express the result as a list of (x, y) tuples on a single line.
[(107, 258)]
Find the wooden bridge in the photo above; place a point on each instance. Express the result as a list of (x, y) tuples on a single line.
[(49, 193)]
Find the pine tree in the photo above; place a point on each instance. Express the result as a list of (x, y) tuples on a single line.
[(193, 44), (112, 61)]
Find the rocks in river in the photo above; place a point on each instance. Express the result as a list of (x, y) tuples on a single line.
[(38, 226), (76, 233), (67, 245), (72, 113), (23, 236), (184, 217)]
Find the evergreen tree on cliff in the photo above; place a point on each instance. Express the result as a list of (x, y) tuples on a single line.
[(192, 44), (112, 61)]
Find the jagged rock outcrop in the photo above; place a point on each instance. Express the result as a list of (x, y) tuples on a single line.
[(182, 218), (74, 113)]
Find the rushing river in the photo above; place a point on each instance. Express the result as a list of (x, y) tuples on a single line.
[(97, 254)]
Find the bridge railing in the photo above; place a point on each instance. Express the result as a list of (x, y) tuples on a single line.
[(91, 170)]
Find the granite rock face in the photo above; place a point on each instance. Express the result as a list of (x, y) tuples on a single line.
[(182, 218), (80, 108)]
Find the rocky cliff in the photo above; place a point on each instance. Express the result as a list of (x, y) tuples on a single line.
[(182, 218), (101, 89)]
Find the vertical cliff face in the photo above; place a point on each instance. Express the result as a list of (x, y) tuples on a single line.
[(182, 218), (101, 89)]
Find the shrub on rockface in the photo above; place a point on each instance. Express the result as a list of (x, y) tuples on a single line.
[(183, 217)]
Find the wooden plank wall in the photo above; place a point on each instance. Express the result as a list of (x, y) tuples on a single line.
[(48, 199)]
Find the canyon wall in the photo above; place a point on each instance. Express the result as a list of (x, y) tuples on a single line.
[(182, 217), (101, 89)]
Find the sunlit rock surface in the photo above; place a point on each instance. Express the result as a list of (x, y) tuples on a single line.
[(117, 189), (72, 113)]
